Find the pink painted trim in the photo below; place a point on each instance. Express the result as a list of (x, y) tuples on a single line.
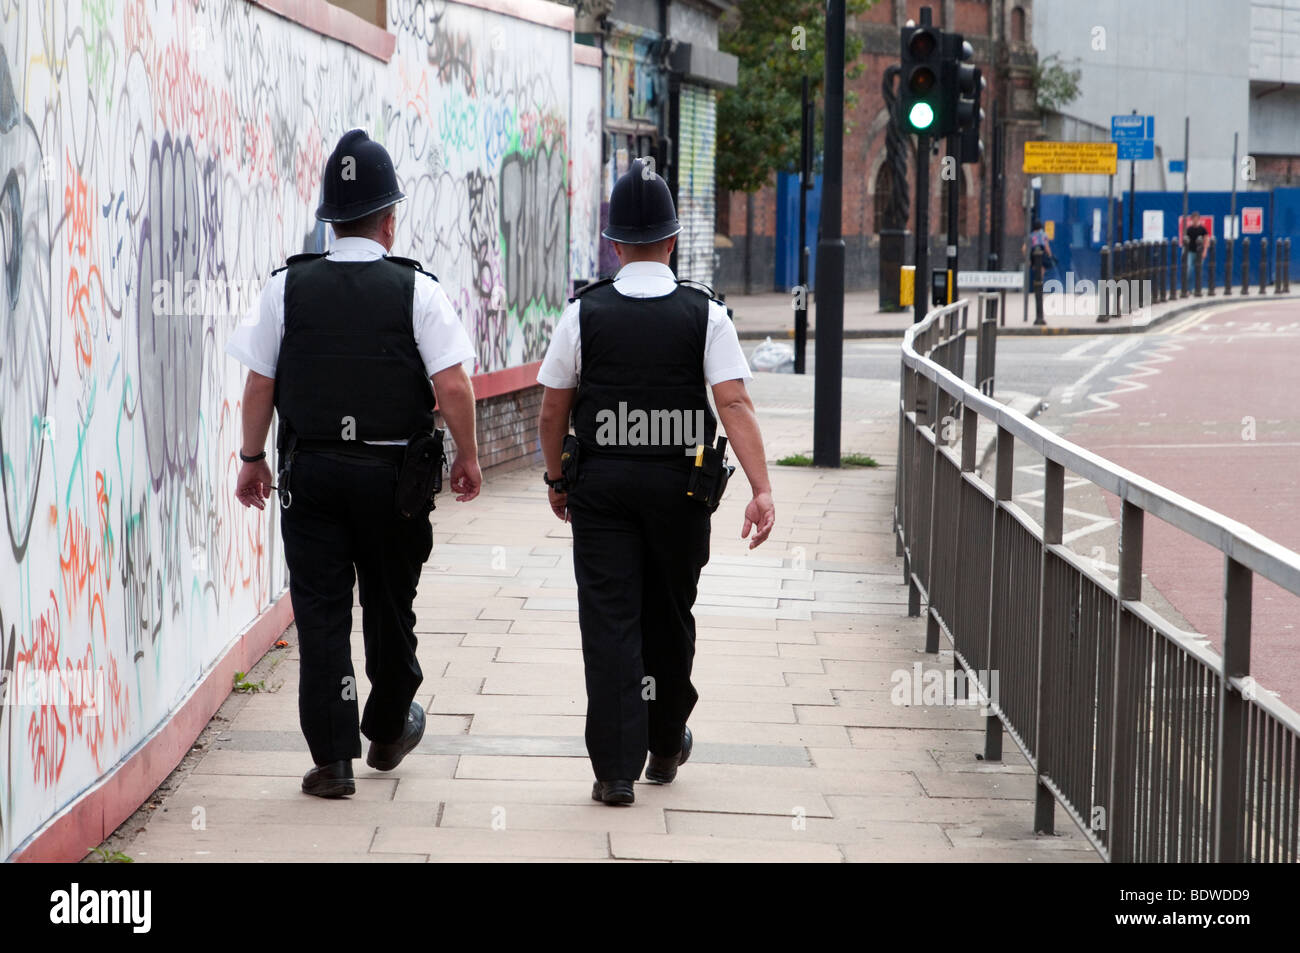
[(535, 11), (85, 823), (507, 381), (587, 55), (332, 21)]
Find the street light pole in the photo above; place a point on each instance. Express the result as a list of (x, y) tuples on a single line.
[(828, 385)]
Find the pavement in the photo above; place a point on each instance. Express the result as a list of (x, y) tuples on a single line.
[(811, 743), (760, 316)]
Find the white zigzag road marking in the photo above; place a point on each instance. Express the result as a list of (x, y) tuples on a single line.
[(1128, 381)]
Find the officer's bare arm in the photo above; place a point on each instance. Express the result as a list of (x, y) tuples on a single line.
[(253, 485), (553, 425), (259, 402), (455, 394), (736, 411)]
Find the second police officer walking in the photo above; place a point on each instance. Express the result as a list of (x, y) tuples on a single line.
[(631, 362), (343, 345)]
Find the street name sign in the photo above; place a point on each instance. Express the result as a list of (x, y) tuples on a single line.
[(1004, 280)]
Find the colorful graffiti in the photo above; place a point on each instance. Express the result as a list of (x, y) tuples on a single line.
[(584, 174), (146, 143)]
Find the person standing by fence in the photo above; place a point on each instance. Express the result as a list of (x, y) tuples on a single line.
[(1040, 259), (1196, 239)]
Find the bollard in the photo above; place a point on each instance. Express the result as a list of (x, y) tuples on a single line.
[(1227, 267), (1209, 267), (1123, 302), (1133, 271), (1173, 268), (1263, 264), (1183, 290), (1145, 286), (1245, 266), (1103, 288), (1137, 275), (1158, 262), (1287, 265)]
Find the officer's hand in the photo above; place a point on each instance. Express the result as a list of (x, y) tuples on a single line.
[(760, 515), (559, 503), (254, 484), (465, 479)]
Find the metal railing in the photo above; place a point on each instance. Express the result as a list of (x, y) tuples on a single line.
[(1158, 748)]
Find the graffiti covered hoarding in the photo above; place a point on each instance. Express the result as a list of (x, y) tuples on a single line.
[(149, 151)]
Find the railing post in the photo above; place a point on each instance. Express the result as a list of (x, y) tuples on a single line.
[(901, 471), (1263, 263), (1003, 482), (1245, 266), (1230, 806), (921, 398), (1127, 673), (1053, 528)]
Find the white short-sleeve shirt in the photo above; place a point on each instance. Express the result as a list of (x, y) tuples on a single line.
[(723, 358), (439, 335)]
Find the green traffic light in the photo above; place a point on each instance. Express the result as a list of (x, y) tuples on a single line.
[(921, 115)]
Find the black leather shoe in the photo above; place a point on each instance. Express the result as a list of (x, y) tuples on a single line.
[(384, 756), (664, 769), (613, 792), (330, 780)]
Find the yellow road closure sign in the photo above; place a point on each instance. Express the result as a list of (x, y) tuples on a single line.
[(1069, 158)]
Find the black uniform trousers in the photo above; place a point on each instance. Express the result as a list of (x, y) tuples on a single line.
[(639, 544), (342, 524)]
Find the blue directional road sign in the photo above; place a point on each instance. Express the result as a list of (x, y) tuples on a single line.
[(1130, 150), (1132, 127)]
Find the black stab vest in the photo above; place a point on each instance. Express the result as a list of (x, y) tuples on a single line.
[(349, 352), (641, 390)]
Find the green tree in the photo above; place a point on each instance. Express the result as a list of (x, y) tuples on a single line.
[(777, 42), (1055, 84)]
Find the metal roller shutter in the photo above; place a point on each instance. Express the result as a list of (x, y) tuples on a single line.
[(697, 114)]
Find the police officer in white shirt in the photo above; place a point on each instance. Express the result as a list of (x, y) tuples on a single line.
[(343, 346), (631, 362)]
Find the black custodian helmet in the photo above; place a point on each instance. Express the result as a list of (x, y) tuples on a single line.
[(359, 179), (641, 208)]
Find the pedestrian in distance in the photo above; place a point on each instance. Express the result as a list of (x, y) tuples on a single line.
[(1196, 242), (631, 364), (1040, 259), (348, 347)]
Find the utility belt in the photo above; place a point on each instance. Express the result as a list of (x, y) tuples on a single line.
[(706, 480), (419, 466)]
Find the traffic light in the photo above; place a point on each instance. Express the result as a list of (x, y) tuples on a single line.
[(971, 147), (921, 107), (963, 89)]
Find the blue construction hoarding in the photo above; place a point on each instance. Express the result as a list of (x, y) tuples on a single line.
[(1081, 223)]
